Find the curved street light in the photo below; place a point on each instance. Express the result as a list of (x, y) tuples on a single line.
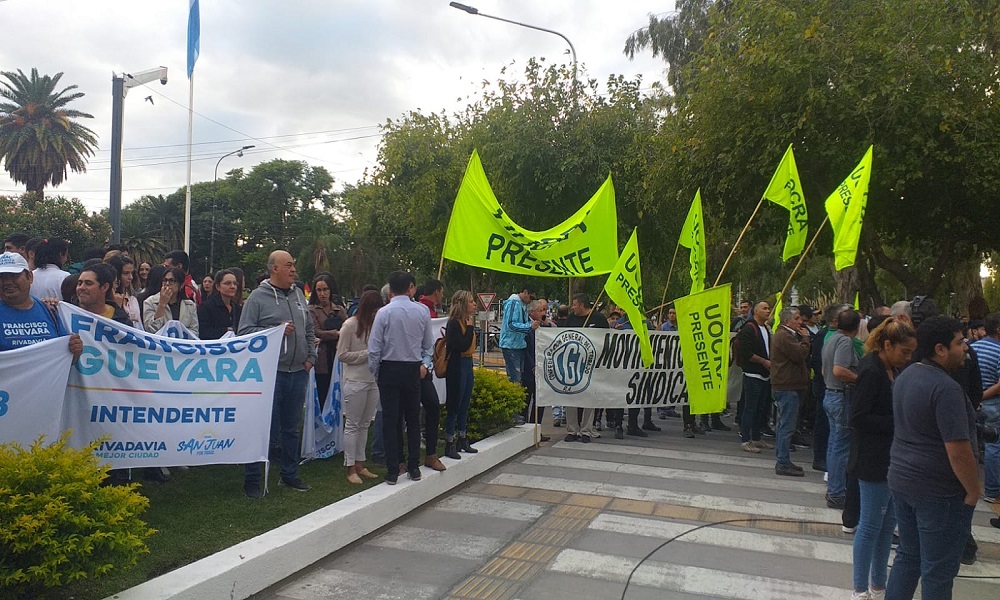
[(211, 255), (475, 11)]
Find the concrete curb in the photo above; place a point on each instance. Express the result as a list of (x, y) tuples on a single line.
[(258, 563)]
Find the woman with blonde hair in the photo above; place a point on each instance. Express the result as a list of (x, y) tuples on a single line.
[(889, 348), (460, 345), (360, 389)]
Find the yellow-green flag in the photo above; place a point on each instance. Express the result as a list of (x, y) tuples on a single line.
[(693, 238), (624, 288), (846, 208), (703, 323), (785, 190), (482, 235), (857, 300), (775, 312)]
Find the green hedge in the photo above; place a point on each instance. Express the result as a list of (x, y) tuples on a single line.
[(495, 401), (58, 524)]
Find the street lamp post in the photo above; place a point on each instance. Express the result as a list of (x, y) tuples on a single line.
[(475, 11), (211, 256)]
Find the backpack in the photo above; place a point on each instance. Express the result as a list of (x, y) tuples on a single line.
[(440, 357)]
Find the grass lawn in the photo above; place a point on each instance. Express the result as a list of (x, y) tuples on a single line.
[(203, 510)]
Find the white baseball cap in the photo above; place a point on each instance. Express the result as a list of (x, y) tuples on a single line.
[(12, 262)]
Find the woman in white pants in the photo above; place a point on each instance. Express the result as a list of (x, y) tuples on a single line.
[(359, 387)]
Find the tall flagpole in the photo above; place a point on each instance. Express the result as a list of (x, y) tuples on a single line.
[(187, 193), (802, 256), (737, 242)]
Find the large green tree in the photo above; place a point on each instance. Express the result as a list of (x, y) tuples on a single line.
[(54, 217), (918, 79), (40, 139)]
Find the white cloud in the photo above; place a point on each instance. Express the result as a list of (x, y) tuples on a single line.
[(278, 68)]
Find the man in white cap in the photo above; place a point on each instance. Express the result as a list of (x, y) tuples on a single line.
[(24, 319)]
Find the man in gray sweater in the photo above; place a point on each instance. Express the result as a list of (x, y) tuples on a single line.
[(277, 301)]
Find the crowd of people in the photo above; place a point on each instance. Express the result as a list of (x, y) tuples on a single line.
[(901, 406)]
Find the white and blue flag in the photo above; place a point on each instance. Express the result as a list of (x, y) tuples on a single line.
[(194, 36)]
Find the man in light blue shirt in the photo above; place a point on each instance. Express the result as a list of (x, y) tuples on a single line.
[(514, 330), (401, 336), (988, 354)]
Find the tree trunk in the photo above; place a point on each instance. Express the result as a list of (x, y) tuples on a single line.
[(846, 285)]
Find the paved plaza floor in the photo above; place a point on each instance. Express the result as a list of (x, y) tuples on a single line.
[(572, 520)]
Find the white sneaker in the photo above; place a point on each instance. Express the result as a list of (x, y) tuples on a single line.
[(876, 594), (750, 447), (826, 477), (991, 499), (847, 529), (860, 595)]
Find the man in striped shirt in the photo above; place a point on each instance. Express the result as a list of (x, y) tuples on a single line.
[(988, 351)]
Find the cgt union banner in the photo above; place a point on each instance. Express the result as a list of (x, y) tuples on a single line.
[(163, 401), (602, 368)]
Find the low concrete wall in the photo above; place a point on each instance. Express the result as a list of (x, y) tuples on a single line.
[(258, 563)]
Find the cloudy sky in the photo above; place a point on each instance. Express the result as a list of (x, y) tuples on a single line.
[(300, 79)]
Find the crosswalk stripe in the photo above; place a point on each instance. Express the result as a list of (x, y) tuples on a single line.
[(787, 485), (716, 459), (742, 539), (440, 543), (705, 501), (686, 578), (335, 584), (490, 507)]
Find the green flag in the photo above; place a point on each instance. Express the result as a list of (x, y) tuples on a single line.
[(703, 323), (624, 287), (785, 190), (482, 235), (775, 312), (693, 238), (846, 208)]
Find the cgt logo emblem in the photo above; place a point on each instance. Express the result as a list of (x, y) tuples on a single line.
[(569, 362)]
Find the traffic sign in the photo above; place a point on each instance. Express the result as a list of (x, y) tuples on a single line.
[(486, 299)]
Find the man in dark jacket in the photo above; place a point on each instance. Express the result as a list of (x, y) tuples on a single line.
[(753, 346), (790, 381)]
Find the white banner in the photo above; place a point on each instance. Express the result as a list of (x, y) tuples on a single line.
[(163, 401), (32, 386), (323, 427), (602, 368)]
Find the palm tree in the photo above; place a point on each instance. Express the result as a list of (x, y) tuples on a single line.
[(38, 137)]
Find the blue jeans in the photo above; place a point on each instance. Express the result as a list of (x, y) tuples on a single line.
[(788, 414), (873, 538), (513, 360), (932, 535), (459, 384), (839, 444), (286, 417), (378, 445), (821, 428), (756, 394), (990, 415)]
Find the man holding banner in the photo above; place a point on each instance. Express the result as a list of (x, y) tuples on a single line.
[(24, 319), (278, 301)]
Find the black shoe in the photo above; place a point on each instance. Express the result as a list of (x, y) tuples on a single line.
[(619, 433), (391, 478), (451, 451), (637, 432), (718, 425), (518, 420), (295, 483), (968, 557), (650, 426), (895, 537), (253, 491), (543, 438), (672, 413), (798, 442), (585, 439), (796, 467), (598, 426), (819, 467), (688, 431), (557, 423), (464, 446), (414, 473), (697, 429), (766, 431), (788, 471), (837, 502), (995, 521), (571, 437)]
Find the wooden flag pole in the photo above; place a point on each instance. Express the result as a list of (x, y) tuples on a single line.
[(593, 308), (656, 308), (802, 256), (670, 273), (737, 243), (440, 267)]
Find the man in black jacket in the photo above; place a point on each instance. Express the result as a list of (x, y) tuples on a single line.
[(753, 344)]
